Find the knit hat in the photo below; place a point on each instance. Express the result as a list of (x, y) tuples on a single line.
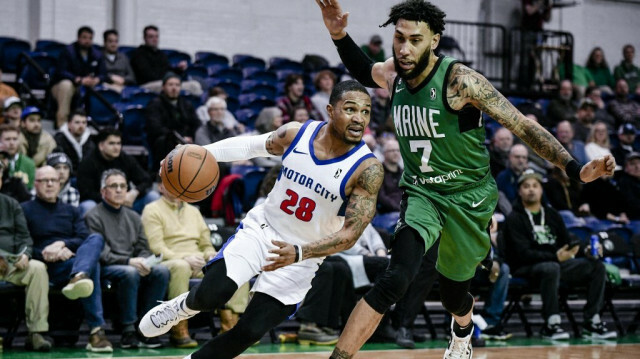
[(530, 174), (59, 157)]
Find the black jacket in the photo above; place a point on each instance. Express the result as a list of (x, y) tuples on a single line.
[(162, 118), (65, 146), (521, 247), (630, 187), (91, 168), (71, 64), (149, 64)]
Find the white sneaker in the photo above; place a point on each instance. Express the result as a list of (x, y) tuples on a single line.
[(459, 348), (165, 315)]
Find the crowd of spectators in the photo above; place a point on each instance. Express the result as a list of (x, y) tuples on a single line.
[(90, 212)]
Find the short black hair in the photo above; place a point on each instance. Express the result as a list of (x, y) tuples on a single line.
[(149, 27), (418, 10), (85, 29), (290, 80), (106, 132), (107, 33), (345, 86), (77, 112)]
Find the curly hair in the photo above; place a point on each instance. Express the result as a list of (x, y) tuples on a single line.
[(418, 10)]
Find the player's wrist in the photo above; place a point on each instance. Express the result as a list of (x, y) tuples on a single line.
[(572, 169), (298, 252), (338, 35)]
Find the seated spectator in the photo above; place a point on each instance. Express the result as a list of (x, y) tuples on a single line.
[(169, 117), (626, 143), (603, 199), (109, 155), (627, 70), (214, 130), (228, 120), (538, 248), (374, 49), (323, 83), (118, 72), (294, 97), (599, 68), (300, 114), (78, 65), (562, 107), (499, 150), (6, 91), (598, 143), (62, 164), (150, 64), (19, 164), (507, 180), (564, 133), (34, 142), (595, 94), (623, 109), (381, 111), (584, 119), (13, 187), (24, 271), (12, 111), (177, 231), (62, 241), (390, 193), (630, 185), (562, 193), (74, 139), (269, 119), (124, 258)]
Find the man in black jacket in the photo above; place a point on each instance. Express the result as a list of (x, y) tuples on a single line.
[(109, 155), (168, 115), (539, 249), (74, 139), (630, 184)]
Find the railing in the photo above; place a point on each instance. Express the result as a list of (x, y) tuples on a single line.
[(117, 118), (25, 61), (482, 46)]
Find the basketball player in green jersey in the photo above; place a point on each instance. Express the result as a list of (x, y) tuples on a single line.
[(449, 191)]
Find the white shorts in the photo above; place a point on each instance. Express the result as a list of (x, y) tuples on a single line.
[(245, 254)]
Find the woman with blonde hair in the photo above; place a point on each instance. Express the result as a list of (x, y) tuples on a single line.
[(598, 141)]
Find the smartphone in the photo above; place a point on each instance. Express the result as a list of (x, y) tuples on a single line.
[(573, 243)]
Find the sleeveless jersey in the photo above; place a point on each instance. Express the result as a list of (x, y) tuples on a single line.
[(442, 149), (308, 200)]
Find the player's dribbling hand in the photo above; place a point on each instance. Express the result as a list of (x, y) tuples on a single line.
[(334, 19), (597, 168), (286, 255)]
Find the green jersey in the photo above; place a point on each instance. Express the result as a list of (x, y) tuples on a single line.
[(442, 149)]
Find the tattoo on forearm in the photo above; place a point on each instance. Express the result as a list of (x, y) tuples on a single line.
[(270, 145), (340, 354), (468, 86)]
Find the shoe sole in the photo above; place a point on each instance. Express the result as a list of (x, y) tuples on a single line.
[(611, 335), (186, 346), (99, 350), (496, 337), (80, 289), (150, 346), (315, 342), (563, 337)]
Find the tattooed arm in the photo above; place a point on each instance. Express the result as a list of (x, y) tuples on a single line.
[(245, 147), (466, 86), (360, 210)]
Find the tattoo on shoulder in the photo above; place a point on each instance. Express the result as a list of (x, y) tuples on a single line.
[(340, 354), (270, 146), (371, 178)]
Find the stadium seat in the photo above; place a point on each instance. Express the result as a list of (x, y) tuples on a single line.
[(386, 221), (258, 88), (195, 100), (9, 53), (252, 180), (98, 111), (206, 59), (582, 232), (242, 170), (127, 50), (176, 56), (231, 88), (228, 74), (232, 104), (248, 61), (246, 116), (285, 64), (314, 63), (51, 47), (196, 72), (281, 75), (33, 77), (140, 97), (266, 77), (133, 132)]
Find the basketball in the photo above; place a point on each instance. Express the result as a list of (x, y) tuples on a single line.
[(190, 173)]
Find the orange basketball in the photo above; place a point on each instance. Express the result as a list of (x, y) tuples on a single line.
[(190, 173)]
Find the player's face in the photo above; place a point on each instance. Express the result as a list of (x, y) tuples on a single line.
[(530, 191), (350, 117), (110, 147), (115, 190), (413, 44)]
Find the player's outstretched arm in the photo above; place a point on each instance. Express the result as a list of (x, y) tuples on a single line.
[(360, 210), (466, 86), (246, 147)]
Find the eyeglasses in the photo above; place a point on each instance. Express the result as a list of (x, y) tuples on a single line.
[(48, 180), (115, 186)]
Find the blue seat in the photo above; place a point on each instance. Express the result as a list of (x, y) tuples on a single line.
[(205, 58), (266, 77), (133, 132), (232, 104), (248, 61), (228, 74), (252, 180), (258, 88), (98, 111), (386, 221), (195, 72), (286, 64), (246, 116), (127, 50), (582, 232), (242, 170), (281, 75), (141, 97), (231, 88), (52, 47), (33, 77), (10, 52), (176, 56)]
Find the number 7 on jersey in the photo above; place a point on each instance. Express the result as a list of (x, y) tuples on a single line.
[(426, 153)]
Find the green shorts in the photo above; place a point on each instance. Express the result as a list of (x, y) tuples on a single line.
[(461, 220)]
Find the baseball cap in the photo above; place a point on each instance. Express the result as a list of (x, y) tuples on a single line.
[(30, 110), (376, 39), (627, 129), (59, 157), (10, 101), (587, 102), (631, 156), (529, 174)]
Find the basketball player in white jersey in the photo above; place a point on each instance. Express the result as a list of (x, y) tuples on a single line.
[(323, 199)]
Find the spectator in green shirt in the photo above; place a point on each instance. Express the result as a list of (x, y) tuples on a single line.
[(627, 70), (599, 68), (374, 49)]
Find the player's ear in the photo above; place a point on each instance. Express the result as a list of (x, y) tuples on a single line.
[(330, 111), (435, 40)]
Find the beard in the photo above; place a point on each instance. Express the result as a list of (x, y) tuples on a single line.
[(343, 135), (419, 67)]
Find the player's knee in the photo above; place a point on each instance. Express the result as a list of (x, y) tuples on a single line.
[(455, 296), (389, 288)]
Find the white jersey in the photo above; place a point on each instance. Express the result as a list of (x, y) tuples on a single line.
[(308, 200)]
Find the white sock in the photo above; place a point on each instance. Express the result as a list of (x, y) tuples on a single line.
[(595, 319), (554, 319)]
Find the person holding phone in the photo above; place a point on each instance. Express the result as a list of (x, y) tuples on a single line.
[(538, 248)]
